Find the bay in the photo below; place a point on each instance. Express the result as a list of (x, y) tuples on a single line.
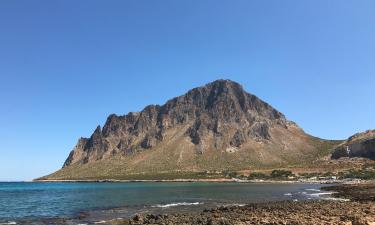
[(34, 200)]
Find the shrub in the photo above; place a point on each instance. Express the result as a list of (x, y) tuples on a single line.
[(281, 173), (230, 174), (256, 175), (360, 174), (328, 174), (310, 175)]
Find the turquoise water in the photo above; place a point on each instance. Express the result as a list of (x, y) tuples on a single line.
[(49, 200)]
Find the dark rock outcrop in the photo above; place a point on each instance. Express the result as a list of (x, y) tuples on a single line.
[(358, 145)]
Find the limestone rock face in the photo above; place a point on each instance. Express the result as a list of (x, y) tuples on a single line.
[(220, 112), (358, 145), (216, 127)]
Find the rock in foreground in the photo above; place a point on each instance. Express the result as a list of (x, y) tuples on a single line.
[(317, 212), (360, 211)]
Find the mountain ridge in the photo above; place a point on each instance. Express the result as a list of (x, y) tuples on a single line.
[(213, 127), (204, 98)]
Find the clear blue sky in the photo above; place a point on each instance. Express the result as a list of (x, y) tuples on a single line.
[(66, 65)]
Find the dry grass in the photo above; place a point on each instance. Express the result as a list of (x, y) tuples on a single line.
[(176, 157)]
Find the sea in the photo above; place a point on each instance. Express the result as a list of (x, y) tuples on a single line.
[(93, 202)]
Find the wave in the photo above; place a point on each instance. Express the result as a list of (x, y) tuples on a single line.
[(336, 199), (312, 189), (232, 204), (327, 196), (321, 193), (177, 204), (8, 223), (239, 204)]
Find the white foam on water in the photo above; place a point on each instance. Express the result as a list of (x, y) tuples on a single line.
[(233, 204), (312, 189), (325, 196), (240, 205), (321, 193), (9, 223), (336, 199), (288, 194), (177, 204), (101, 222)]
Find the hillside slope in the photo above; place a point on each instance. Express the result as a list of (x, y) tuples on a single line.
[(358, 145), (215, 127)]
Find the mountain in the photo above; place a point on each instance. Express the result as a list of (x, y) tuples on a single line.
[(216, 127), (358, 145)]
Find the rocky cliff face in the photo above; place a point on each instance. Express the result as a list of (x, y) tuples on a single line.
[(358, 145), (210, 112), (215, 127)]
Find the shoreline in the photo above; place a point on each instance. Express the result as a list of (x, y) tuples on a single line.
[(360, 209), (223, 180), (286, 212), (357, 209)]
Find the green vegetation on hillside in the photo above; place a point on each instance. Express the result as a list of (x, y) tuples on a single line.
[(366, 173)]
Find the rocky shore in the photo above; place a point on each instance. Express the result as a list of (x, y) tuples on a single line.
[(360, 210), (315, 212), (354, 205), (355, 192)]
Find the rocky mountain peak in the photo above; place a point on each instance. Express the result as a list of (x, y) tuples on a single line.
[(220, 115)]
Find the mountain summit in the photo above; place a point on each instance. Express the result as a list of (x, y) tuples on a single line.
[(218, 126), (220, 111)]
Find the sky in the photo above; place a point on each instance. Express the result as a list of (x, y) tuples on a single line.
[(65, 65)]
